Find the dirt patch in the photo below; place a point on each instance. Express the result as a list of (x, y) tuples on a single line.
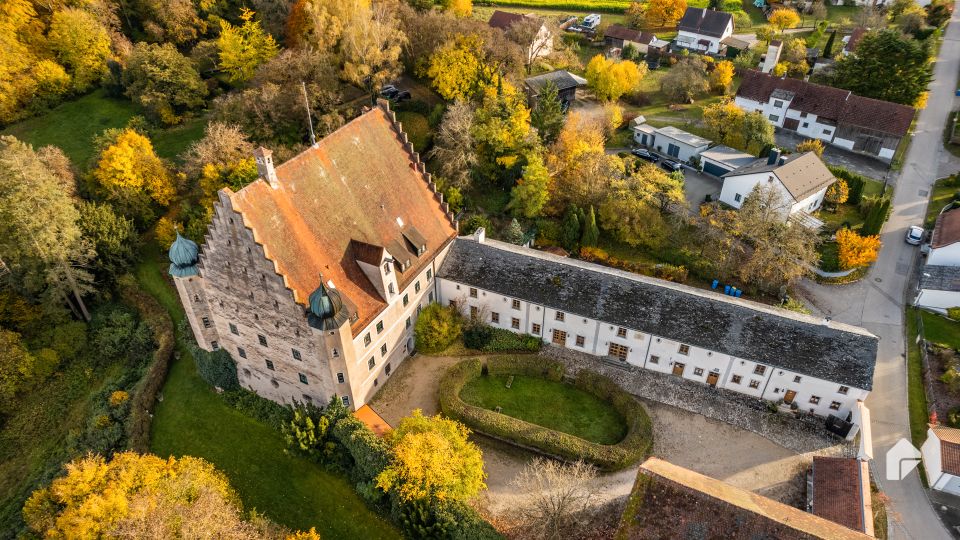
[(936, 362)]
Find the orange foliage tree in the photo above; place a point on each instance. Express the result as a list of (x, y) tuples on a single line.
[(856, 250)]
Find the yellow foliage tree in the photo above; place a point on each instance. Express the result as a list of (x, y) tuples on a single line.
[(244, 47), (811, 145), (610, 80), (856, 250), (130, 167), (432, 458), (460, 8), (837, 193), (457, 70), (722, 76), (165, 231), (780, 69), (81, 44), (666, 12), (783, 18), (725, 122), (612, 117)]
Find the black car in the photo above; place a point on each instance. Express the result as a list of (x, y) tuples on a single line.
[(643, 153), (401, 95), (671, 165)]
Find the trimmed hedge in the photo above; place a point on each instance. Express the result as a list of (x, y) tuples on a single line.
[(634, 446), (483, 337)]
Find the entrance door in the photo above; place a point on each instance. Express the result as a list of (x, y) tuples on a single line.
[(867, 144), (791, 123), (560, 338), (618, 351), (788, 397), (678, 369), (712, 378)]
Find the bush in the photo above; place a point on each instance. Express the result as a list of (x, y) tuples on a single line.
[(855, 182), (483, 337), (437, 327), (953, 417), (474, 222), (635, 445), (954, 313), (451, 520), (369, 454), (258, 408)]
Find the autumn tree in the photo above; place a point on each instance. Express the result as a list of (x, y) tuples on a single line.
[(432, 458), (722, 76), (757, 132), (610, 79), (163, 81), (244, 47), (529, 197), (81, 44), (579, 164), (458, 8), (222, 145), (553, 495), (855, 250), (128, 169), (500, 130), (112, 236), (636, 15), (457, 70), (437, 327), (18, 29), (686, 80), (526, 33), (783, 18), (724, 122), (547, 115), (666, 12), (837, 193), (636, 207), (811, 145), (454, 147), (370, 47), (173, 21)]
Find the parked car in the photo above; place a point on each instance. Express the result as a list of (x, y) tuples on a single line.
[(591, 21), (643, 153), (402, 95), (671, 166), (387, 90), (914, 235)]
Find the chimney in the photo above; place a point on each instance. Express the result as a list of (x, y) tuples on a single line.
[(480, 235), (265, 170), (774, 157), (772, 57)]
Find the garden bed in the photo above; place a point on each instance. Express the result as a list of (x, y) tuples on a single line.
[(634, 446)]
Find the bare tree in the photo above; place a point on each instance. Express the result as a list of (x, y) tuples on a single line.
[(222, 144), (554, 494), (455, 151)]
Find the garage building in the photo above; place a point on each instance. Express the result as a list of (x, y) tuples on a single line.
[(720, 160)]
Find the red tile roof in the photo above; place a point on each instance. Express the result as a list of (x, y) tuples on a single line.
[(503, 19), (855, 38), (348, 190), (838, 491), (949, 448), (628, 34), (834, 104), (947, 229)]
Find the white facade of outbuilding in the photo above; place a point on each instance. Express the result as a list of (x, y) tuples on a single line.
[(941, 458), (671, 141)]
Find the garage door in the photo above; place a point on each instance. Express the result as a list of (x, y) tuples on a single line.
[(713, 169)]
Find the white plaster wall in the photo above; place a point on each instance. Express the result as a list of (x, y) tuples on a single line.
[(811, 203), (745, 369), (781, 380), (945, 256), (932, 461), (938, 301), (743, 184), (669, 355), (663, 143)]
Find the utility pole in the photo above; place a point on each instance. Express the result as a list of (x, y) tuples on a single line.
[(306, 104)]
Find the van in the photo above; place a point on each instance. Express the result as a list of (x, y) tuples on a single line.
[(591, 21)]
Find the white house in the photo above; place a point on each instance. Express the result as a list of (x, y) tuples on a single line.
[(542, 44), (941, 458), (818, 366), (669, 140), (939, 288), (617, 36), (945, 241), (720, 160), (702, 30), (801, 178), (837, 117)]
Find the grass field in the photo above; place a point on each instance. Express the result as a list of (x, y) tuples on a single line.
[(71, 126), (940, 330), (550, 404), (193, 420), (940, 196), (417, 128)]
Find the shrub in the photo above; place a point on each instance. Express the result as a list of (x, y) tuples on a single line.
[(953, 417), (855, 183), (369, 454), (635, 445), (217, 368), (474, 222), (437, 327), (483, 337), (258, 408), (954, 313)]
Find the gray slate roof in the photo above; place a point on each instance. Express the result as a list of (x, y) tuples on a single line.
[(562, 78), (686, 138), (706, 22), (940, 278), (839, 353)]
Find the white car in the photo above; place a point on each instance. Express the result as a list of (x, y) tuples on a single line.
[(914, 235), (591, 21)]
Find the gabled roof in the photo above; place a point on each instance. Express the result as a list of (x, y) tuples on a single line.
[(504, 19), (736, 43), (799, 343), (629, 34), (728, 156), (949, 448), (669, 501), (947, 229), (338, 202), (940, 278), (854, 39), (562, 78), (838, 490), (802, 174), (685, 137), (833, 104), (706, 22)]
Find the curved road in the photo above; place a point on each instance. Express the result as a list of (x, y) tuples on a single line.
[(876, 303)]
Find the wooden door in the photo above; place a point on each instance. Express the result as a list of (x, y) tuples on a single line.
[(788, 397), (678, 369), (560, 338), (712, 378), (791, 123)]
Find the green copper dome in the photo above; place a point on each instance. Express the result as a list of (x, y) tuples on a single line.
[(326, 308), (184, 255)]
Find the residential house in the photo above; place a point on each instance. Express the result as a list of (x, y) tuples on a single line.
[(669, 501), (567, 84), (939, 288), (720, 160), (313, 285), (941, 458), (618, 37), (850, 42), (841, 492), (671, 141), (823, 367), (542, 44), (702, 29), (945, 241), (837, 117), (802, 180)]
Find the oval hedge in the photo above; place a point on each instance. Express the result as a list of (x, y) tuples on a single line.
[(634, 446)]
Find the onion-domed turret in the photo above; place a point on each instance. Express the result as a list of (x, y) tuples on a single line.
[(326, 308), (184, 255)]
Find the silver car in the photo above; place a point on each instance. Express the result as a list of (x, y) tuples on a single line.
[(914, 235)]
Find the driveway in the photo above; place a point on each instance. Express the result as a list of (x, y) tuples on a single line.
[(838, 157), (696, 187), (877, 302)]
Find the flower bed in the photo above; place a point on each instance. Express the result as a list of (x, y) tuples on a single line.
[(634, 446)]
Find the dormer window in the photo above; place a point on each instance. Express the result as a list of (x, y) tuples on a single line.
[(386, 267)]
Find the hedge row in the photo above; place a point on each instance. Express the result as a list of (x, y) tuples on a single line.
[(856, 183), (144, 394), (634, 446)]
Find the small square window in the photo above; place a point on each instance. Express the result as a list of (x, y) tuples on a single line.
[(296, 354), (340, 378), (408, 323), (815, 400), (270, 364), (383, 350), (416, 286), (386, 267), (233, 329), (796, 378), (698, 371), (371, 363), (473, 292), (366, 340), (843, 390), (335, 353), (827, 132), (736, 379), (760, 370), (535, 329), (391, 289), (835, 405), (654, 359), (738, 197), (215, 346), (515, 304), (684, 349), (473, 312), (559, 316), (580, 341), (406, 300), (494, 317), (206, 322), (307, 398), (241, 352), (429, 274), (806, 124), (420, 307), (379, 327), (777, 103), (515, 323), (621, 332), (303, 378), (754, 383), (387, 369), (345, 400), (262, 339), (774, 118)]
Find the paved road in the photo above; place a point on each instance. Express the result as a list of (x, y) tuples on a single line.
[(877, 302)]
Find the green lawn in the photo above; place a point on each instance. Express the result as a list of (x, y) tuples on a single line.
[(549, 404), (940, 330), (71, 126), (829, 256), (193, 420), (417, 128), (941, 195), (916, 393)]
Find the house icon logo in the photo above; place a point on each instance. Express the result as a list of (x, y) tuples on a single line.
[(901, 460)]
